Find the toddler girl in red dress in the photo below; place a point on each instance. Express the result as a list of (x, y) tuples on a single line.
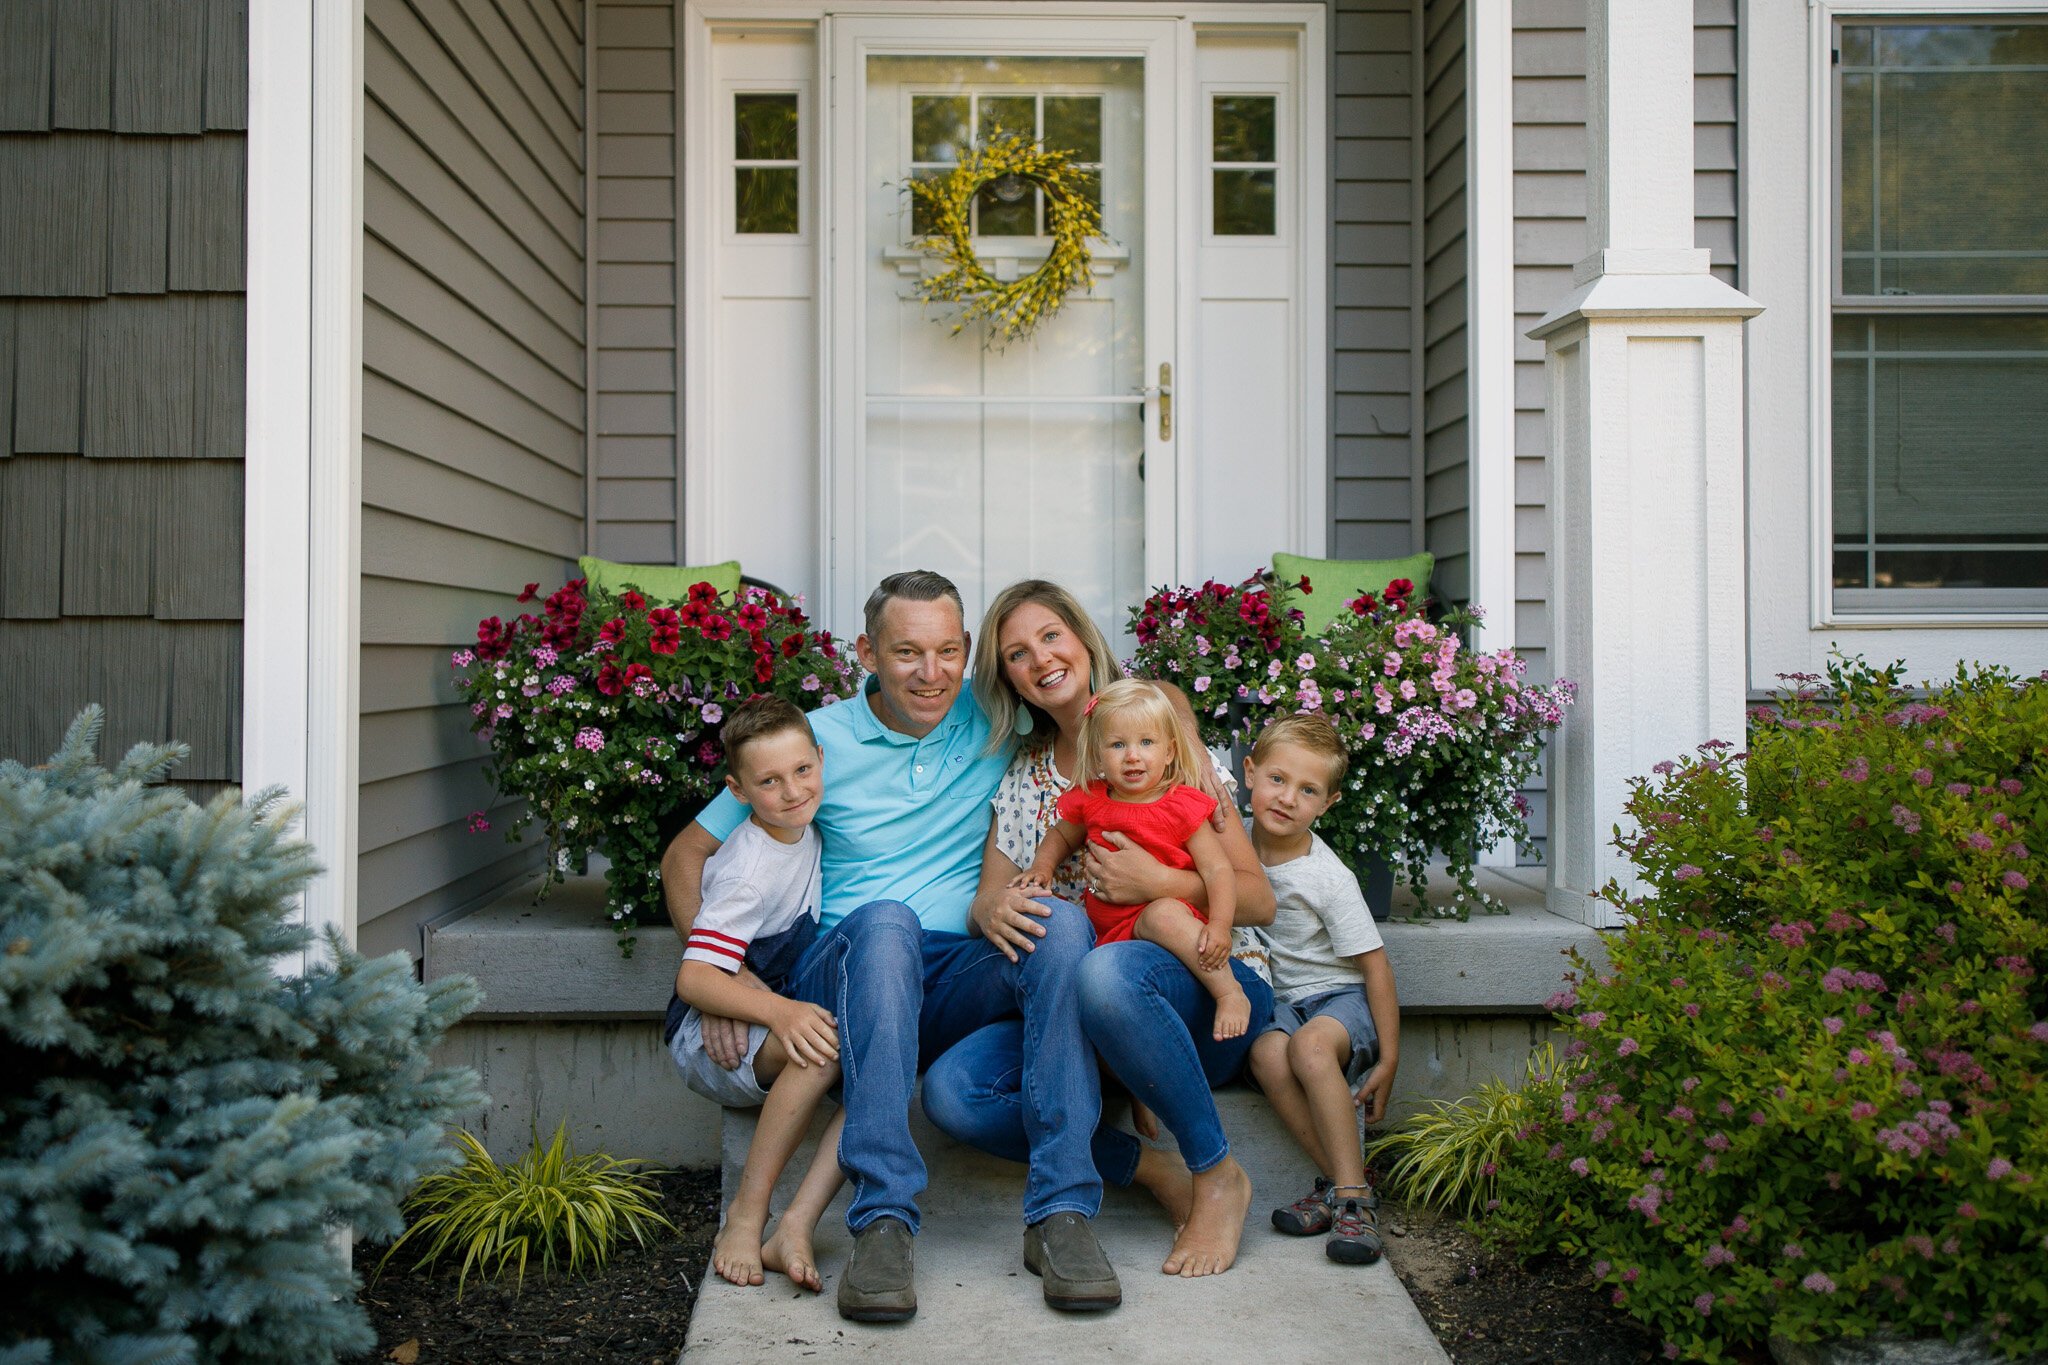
[(1137, 758)]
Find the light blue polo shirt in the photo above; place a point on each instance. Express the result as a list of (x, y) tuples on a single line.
[(903, 819)]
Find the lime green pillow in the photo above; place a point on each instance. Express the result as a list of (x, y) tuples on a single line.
[(1337, 581), (661, 582)]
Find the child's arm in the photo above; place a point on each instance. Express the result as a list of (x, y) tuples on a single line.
[(1055, 848), (1375, 1085), (807, 1032), (1212, 949)]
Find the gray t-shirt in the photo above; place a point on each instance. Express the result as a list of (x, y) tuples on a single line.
[(1320, 919)]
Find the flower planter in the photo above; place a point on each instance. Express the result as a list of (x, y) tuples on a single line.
[(1441, 740)]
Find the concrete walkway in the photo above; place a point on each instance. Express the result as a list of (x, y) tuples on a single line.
[(1283, 1301)]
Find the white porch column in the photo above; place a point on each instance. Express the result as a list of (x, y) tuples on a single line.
[(302, 469), (1644, 360)]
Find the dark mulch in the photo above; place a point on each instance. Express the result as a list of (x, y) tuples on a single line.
[(1493, 1310), (633, 1313)]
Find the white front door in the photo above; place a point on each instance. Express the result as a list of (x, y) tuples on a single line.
[(954, 451), (837, 430)]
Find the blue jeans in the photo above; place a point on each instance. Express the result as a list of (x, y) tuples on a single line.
[(905, 996), (1151, 1021)]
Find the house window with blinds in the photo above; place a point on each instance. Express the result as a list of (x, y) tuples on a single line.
[(1939, 460)]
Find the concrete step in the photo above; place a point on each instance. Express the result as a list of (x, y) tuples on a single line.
[(1282, 1300)]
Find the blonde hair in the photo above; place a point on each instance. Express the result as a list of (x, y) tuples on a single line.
[(1313, 733), (1135, 696), (992, 687)]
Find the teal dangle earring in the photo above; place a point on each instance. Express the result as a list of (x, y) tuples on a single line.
[(1026, 722)]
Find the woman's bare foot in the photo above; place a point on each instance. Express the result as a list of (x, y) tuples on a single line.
[(1208, 1244), (736, 1253), (1165, 1177), (1233, 1015), (789, 1251)]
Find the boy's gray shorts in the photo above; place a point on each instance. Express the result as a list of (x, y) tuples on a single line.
[(734, 1089), (1347, 1005)]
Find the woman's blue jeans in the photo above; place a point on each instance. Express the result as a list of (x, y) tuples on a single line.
[(1151, 1022)]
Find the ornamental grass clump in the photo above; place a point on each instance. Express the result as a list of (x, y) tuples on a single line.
[(567, 1210), (603, 711), (1442, 739), (183, 1132), (1811, 1102), (1449, 1155)]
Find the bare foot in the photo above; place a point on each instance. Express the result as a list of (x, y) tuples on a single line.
[(1208, 1244), (789, 1251), (1144, 1120), (1165, 1177), (1233, 1015), (736, 1253)]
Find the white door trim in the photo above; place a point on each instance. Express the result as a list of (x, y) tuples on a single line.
[(302, 467), (1309, 508)]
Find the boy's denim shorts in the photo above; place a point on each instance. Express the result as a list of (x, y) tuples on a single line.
[(1347, 1005), (734, 1089)]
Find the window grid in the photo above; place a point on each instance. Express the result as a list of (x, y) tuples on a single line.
[(931, 169), (1881, 298), (743, 165), (1224, 169)]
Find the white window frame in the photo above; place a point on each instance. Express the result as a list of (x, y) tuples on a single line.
[(1824, 152), (1786, 253)]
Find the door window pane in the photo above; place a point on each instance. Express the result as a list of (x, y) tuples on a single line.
[(764, 127), (766, 177), (1008, 114), (1242, 127), (938, 127), (1244, 173), (1073, 124)]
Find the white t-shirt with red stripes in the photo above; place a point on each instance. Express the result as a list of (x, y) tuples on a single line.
[(755, 887)]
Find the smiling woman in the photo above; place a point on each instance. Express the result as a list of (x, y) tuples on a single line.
[(1147, 1016)]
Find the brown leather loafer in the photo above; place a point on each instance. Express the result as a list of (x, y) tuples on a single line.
[(1062, 1251), (879, 1283)]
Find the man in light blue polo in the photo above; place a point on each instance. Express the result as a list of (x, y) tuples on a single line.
[(908, 777)]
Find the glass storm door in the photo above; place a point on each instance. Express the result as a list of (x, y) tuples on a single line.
[(991, 461)]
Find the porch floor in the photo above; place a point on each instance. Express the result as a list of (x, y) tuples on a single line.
[(1283, 1300)]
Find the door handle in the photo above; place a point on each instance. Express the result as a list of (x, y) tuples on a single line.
[(1163, 391)]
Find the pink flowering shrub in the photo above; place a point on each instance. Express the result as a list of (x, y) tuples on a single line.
[(602, 713), (1441, 739), (1833, 1120)]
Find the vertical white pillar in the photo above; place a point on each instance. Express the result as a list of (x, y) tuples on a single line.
[(1644, 362), (303, 463)]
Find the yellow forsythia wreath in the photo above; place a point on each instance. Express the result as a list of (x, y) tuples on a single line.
[(1019, 305)]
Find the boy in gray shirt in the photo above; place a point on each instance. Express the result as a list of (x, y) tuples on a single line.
[(1335, 1039)]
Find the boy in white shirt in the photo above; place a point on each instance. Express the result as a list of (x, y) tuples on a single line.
[(1335, 1039), (760, 911)]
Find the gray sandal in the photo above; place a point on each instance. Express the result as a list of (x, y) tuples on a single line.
[(1355, 1226)]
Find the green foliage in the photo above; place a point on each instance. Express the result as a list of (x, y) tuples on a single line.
[(1441, 739), (1449, 1155), (571, 1210), (603, 714), (181, 1131), (1812, 1102)]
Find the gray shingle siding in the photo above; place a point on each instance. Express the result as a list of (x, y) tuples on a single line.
[(121, 359), (473, 412)]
